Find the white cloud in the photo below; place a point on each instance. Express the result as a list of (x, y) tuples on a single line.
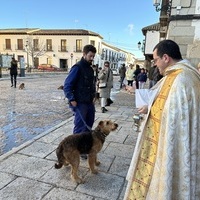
[(130, 28)]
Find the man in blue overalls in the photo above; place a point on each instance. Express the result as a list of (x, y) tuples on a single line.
[(79, 88)]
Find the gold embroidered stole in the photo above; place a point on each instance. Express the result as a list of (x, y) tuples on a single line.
[(148, 152)]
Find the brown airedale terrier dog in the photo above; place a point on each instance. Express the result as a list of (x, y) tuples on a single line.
[(69, 150)]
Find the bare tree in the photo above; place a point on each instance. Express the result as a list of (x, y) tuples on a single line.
[(34, 48)]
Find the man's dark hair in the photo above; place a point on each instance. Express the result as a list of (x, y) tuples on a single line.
[(168, 47), (137, 66), (107, 62), (88, 48)]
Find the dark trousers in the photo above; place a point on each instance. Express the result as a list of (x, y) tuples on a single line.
[(84, 115), (137, 84), (130, 83), (13, 76), (121, 81)]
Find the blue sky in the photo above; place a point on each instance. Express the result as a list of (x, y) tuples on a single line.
[(118, 22)]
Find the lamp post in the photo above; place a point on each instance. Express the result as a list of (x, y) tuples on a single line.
[(139, 45), (165, 6), (72, 55), (27, 56), (0, 66)]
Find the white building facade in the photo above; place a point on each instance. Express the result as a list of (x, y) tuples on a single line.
[(60, 47)]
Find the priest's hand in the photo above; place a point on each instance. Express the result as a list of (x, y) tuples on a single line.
[(143, 109)]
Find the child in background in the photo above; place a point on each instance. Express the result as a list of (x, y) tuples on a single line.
[(142, 78)]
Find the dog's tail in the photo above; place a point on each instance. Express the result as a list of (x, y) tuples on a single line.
[(59, 153)]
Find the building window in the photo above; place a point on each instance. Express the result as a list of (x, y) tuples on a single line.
[(99, 47), (49, 45), (63, 45), (20, 44), (78, 45), (8, 44), (92, 42), (49, 61), (36, 44)]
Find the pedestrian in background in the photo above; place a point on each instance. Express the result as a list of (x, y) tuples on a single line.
[(166, 159), (122, 74), (95, 68), (130, 75), (142, 78), (156, 75), (136, 72), (13, 72), (79, 88), (105, 77), (150, 75)]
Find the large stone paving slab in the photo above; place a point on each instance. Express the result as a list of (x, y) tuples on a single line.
[(38, 149), (105, 162), (118, 149), (62, 177), (120, 166), (106, 186), (24, 189), (6, 178), (25, 166), (59, 193)]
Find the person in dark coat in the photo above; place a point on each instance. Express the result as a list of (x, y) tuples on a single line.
[(142, 78), (122, 73), (156, 75), (150, 76), (13, 72), (136, 73)]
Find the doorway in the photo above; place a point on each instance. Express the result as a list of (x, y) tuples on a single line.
[(63, 64)]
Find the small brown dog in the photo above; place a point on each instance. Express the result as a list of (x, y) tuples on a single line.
[(60, 87), (69, 150), (21, 86)]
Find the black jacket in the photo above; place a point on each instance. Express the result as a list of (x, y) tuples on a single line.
[(13, 68)]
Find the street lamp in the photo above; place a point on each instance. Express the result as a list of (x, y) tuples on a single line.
[(166, 5), (139, 45), (27, 55), (72, 55), (0, 66)]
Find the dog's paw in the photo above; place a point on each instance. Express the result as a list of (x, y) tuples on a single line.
[(94, 171), (98, 163), (78, 180)]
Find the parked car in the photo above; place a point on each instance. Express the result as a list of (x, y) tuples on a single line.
[(49, 67)]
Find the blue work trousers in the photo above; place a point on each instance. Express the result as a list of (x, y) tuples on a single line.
[(84, 115)]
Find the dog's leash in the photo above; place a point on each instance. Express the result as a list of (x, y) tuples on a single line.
[(88, 127)]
